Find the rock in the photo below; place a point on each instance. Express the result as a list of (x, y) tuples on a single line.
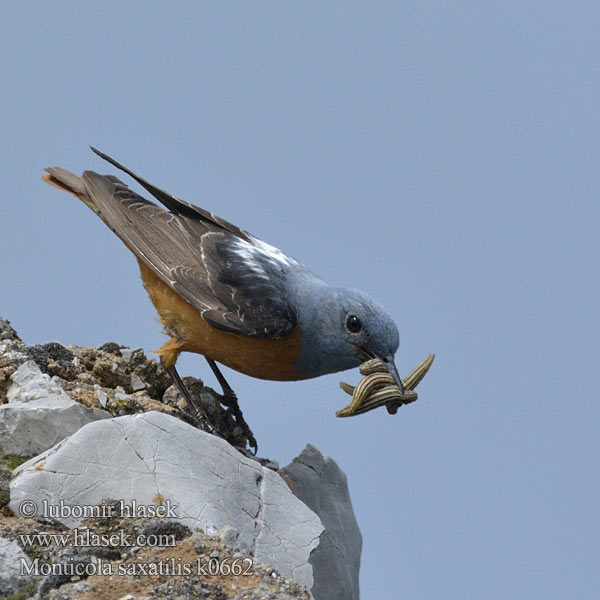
[(178, 531), (136, 383), (322, 486), (112, 377), (5, 476), (66, 571), (43, 354), (153, 457), (55, 391), (39, 413), (100, 396), (127, 353), (11, 559), (229, 536), (6, 331), (12, 354), (107, 580), (28, 383)]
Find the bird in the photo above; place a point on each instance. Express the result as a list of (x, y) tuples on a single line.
[(225, 294)]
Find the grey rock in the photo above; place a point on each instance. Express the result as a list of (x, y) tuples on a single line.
[(13, 352), (64, 574), (28, 383), (6, 331), (153, 456), (322, 486), (126, 353), (5, 475), (162, 527), (136, 383), (39, 413), (100, 395), (83, 586), (133, 355), (229, 536), (12, 558)]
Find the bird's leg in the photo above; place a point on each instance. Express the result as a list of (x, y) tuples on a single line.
[(198, 419), (229, 399)]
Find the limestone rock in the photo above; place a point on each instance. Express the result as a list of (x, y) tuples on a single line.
[(11, 558), (39, 413), (6, 330), (322, 486), (151, 457), (50, 391), (28, 383)]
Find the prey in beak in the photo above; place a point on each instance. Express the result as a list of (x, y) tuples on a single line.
[(388, 363), (390, 367), (376, 390)]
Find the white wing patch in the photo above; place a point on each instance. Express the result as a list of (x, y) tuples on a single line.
[(256, 253)]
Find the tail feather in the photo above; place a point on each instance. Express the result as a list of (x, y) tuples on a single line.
[(64, 180), (68, 182)]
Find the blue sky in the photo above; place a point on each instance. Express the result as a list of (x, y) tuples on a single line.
[(441, 157)]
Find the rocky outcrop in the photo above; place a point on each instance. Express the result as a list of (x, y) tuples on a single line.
[(322, 486), (102, 434), (154, 459), (190, 565), (39, 413), (12, 579)]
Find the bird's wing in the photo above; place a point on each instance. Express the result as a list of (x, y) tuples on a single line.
[(233, 279), (180, 207)]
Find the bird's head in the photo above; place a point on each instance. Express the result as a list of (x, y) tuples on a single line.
[(342, 329)]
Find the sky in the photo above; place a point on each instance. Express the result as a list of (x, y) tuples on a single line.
[(442, 157)]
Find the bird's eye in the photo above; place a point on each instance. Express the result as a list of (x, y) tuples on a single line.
[(353, 324)]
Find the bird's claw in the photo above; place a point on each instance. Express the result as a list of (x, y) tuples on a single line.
[(234, 415)]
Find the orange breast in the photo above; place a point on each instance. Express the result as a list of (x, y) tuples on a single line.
[(262, 358)]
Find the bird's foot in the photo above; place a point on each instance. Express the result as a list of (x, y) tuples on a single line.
[(226, 421), (195, 415), (233, 412), (235, 418)]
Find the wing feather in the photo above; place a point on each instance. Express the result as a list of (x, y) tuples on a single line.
[(218, 268)]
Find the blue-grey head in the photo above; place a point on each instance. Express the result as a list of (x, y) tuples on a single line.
[(341, 328)]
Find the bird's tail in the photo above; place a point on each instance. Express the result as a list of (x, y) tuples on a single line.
[(69, 182)]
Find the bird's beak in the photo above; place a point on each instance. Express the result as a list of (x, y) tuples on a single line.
[(388, 362)]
